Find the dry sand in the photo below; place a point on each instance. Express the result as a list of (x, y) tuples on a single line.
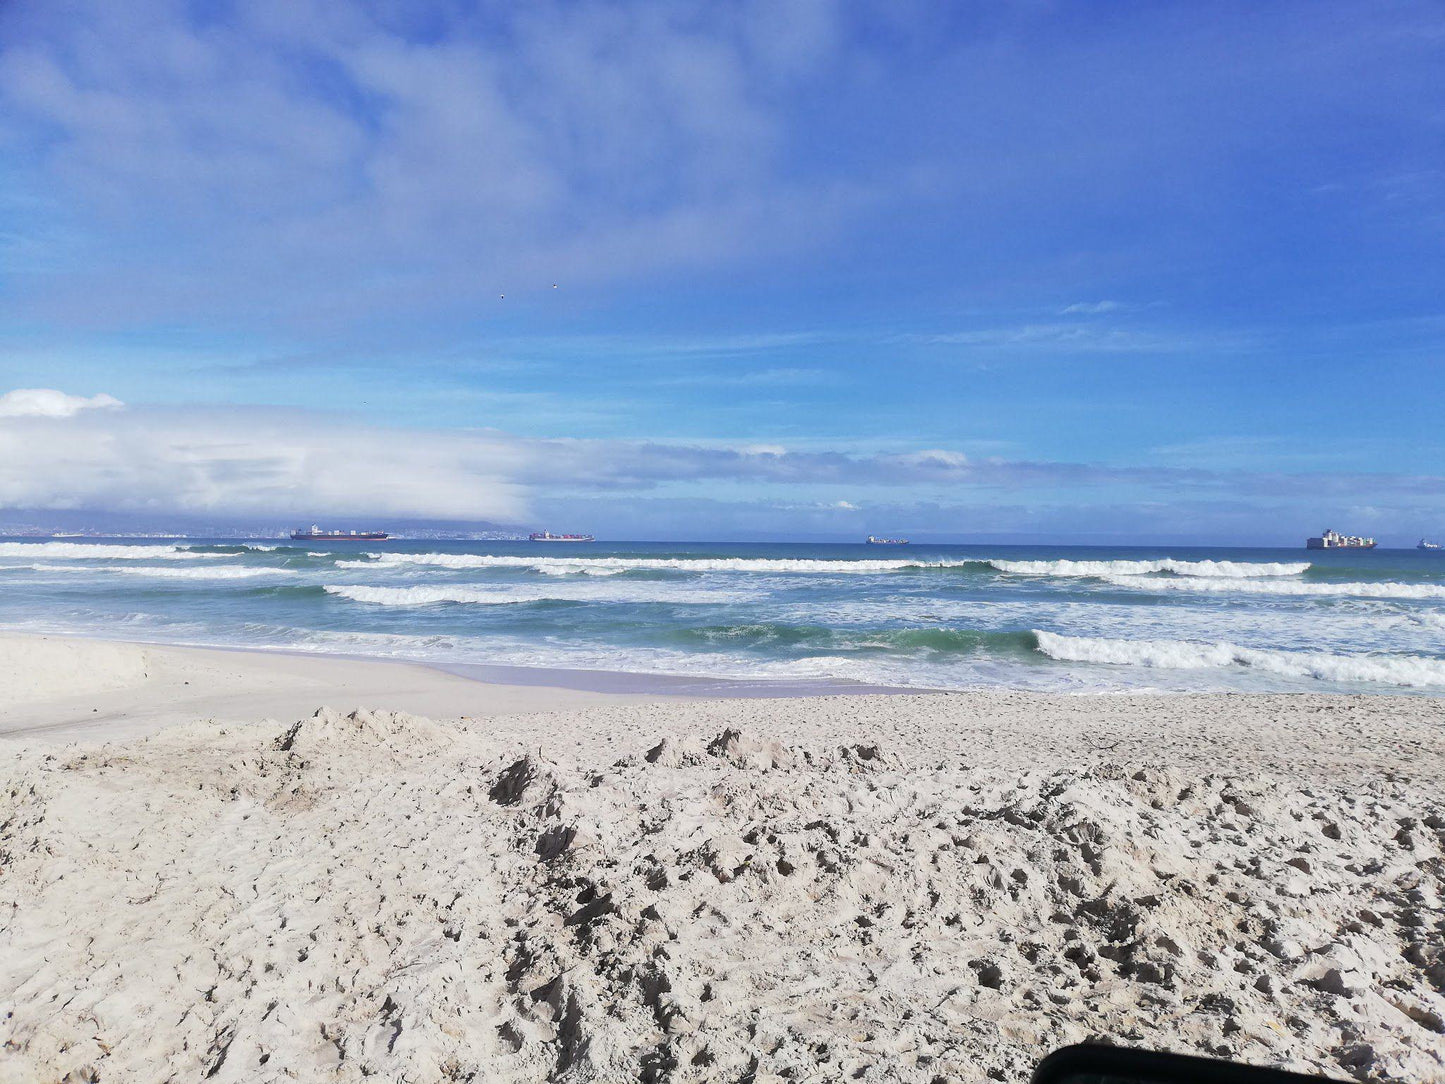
[(61, 689), (911, 888)]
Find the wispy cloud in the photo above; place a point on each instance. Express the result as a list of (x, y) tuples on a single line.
[(1065, 337), (454, 162), (759, 378)]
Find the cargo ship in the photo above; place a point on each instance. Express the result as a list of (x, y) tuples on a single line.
[(548, 536), (874, 540), (1333, 540), (317, 534), (1426, 544)]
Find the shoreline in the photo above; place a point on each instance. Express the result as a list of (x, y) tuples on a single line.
[(91, 688), (125, 699)]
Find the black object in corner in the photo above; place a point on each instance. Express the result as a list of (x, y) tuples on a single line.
[(1095, 1063)]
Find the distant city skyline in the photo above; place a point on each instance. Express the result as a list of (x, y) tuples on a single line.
[(1053, 273)]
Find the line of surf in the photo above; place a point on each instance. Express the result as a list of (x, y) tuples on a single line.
[(1409, 671), (505, 596), (224, 572), (184, 572), (95, 551), (1296, 588), (644, 564), (606, 565), (1216, 569)]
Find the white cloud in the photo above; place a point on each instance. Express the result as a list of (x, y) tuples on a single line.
[(1090, 308), (247, 462), (49, 403)]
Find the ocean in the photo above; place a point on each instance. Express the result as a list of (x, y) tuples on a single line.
[(771, 617)]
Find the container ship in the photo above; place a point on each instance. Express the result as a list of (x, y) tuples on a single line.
[(1333, 540), (874, 540), (317, 534), (548, 536)]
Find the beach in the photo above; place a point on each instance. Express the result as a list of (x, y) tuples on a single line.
[(250, 866), (769, 543)]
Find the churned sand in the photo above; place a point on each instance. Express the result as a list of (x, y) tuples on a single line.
[(909, 888)]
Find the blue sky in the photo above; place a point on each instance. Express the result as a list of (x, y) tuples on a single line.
[(1032, 270)]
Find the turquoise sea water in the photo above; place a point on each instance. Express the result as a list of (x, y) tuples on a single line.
[(1047, 618)]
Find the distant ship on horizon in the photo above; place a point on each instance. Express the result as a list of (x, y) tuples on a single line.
[(548, 536), (1333, 540), (318, 534), (1426, 544), (874, 540)]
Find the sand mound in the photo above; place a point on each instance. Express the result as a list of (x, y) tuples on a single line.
[(373, 894), (396, 731)]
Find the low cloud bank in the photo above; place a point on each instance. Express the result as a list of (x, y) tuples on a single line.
[(65, 452)]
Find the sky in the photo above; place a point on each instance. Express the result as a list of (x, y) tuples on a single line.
[(1032, 271)]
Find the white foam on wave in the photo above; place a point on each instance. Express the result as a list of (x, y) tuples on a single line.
[(1187, 655), (246, 547), (1221, 569), (603, 565), (203, 572), (509, 596), (547, 566), (575, 569), (1362, 589), (88, 551), (224, 572)]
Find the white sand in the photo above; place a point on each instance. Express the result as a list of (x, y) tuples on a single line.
[(879, 888), (41, 669), (59, 689)]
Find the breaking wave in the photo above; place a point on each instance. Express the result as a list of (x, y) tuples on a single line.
[(1411, 671), (562, 566), (225, 572), (231, 549), (184, 572), (508, 596), (88, 551), (1222, 569), (1283, 587), (594, 565)]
